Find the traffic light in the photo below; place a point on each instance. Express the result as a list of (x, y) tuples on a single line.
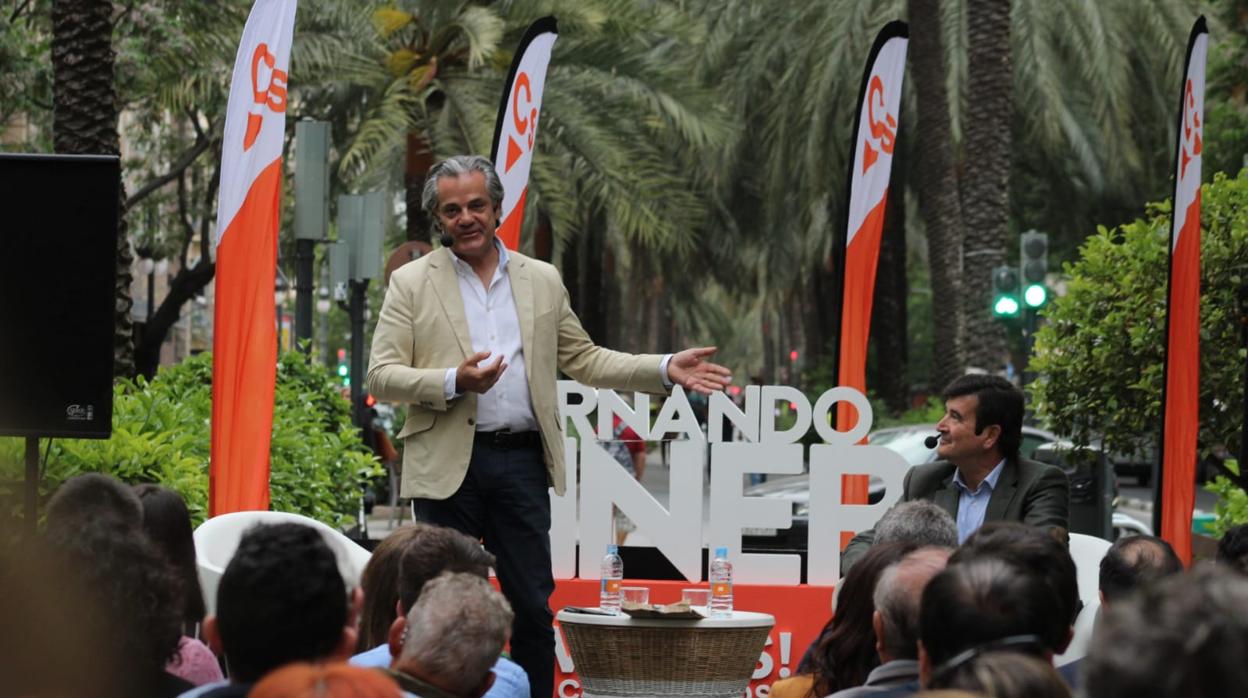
[(1005, 292), (344, 372), (1034, 249)]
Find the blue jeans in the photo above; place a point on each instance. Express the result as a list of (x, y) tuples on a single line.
[(504, 502)]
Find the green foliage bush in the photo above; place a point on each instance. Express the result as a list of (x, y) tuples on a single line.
[(1232, 506), (1099, 358), (162, 432)]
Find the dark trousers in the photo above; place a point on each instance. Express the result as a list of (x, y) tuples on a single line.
[(504, 502)]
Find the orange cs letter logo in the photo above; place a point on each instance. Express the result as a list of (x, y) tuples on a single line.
[(272, 94), (884, 132)]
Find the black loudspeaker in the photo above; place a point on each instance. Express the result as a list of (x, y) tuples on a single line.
[(58, 259)]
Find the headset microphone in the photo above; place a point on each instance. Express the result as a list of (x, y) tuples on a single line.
[(446, 239), (932, 441)]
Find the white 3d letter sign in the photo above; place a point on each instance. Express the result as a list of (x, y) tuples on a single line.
[(677, 529)]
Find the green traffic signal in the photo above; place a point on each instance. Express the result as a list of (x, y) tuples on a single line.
[(1035, 295), (1006, 306), (1005, 292)]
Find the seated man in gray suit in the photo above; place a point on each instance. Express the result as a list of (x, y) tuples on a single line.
[(980, 476)]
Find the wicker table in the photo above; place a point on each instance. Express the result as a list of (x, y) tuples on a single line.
[(622, 657)]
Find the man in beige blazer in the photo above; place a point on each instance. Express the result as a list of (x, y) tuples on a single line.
[(471, 337)]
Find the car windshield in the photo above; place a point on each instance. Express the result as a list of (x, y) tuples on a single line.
[(908, 443)]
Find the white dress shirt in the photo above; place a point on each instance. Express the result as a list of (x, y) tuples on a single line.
[(494, 326)]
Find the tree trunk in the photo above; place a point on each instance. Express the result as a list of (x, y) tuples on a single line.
[(888, 312), (416, 167), (84, 121), (182, 289), (986, 176), (938, 194)]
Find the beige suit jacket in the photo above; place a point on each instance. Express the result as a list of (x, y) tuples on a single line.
[(422, 331)]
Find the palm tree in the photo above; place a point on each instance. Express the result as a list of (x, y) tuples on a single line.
[(84, 108), (420, 46), (986, 178), (620, 117), (937, 189)]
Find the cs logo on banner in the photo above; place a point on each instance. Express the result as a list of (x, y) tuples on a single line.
[(272, 95), (884, 132)]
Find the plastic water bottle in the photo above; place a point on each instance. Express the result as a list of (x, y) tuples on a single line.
[(612, 574), (721, 584)]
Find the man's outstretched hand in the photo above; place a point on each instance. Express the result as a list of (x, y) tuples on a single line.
[(472, 377), (691, 370)]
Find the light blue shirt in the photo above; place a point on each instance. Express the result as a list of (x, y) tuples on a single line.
[(510, 681), (972, 506)]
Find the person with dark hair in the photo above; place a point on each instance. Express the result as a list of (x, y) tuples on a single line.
[(281, 599), (1004, 674), (1042, 555), (980, 476), (1184, 637), (1132, 562), (1233, 549), (93, 499), (167, 523), (984, 603), (844, 653), (421, 555), (130, 587), (471, 337), (380, 584), (896, 623)]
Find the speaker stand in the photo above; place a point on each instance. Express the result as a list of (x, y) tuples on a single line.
[(32, 486)]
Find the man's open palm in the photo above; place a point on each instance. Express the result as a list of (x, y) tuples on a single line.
[(691, 370)]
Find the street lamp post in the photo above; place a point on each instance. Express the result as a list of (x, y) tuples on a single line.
[(322, 308)]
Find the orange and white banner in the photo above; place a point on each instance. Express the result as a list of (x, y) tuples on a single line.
[(1181, 404), (516, 129), (244, 362), (875, 137)]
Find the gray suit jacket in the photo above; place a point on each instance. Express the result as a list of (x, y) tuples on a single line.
[(1033, 493), (892, 675)]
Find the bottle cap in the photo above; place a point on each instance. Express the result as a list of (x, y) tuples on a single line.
[(613, 549), (721, 552)]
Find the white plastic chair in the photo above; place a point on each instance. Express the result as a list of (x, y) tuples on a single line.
[(1087, 552), (217, 538)]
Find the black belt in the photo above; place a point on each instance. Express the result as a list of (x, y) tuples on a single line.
[(508, 439)]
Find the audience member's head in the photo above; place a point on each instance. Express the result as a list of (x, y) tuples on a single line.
[(918, 521), (168, 525), (845, 652), (380, 584), (434, 550), (897, 596), (1033, 549), (281, 599), (984, 603), (454, 634), (1134, 561), (303, 680), (1004, 674), (125, 581), (1184, 637), (56, 640), (1233, 548), (93, 499)]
